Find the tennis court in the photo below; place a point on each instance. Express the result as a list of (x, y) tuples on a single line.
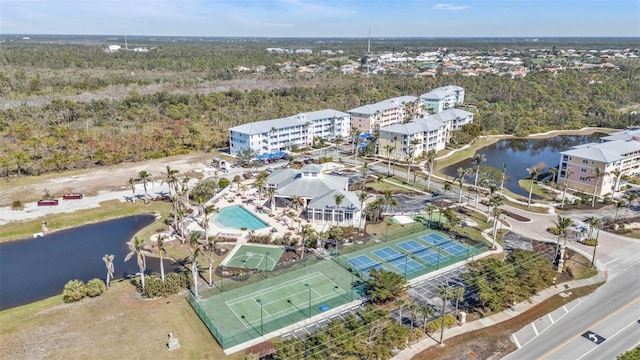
[(247, 312), (429, 256), (255, 257), (365, 263), (398, 259), (446, 244)]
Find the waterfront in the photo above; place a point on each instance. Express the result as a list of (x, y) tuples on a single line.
[(34, 269), (520, 154)]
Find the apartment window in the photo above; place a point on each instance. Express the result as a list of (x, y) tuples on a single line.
[(585, 161), (584, 170), (581, 178)]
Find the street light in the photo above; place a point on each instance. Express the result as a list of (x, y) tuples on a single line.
[(261, 318), (309, 308), (266, 259)]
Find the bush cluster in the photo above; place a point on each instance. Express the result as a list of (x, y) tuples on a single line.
[(435, 325), (590, 242), (75, 290), (155, 287)]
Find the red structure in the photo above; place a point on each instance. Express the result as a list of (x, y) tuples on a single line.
[(73, 196), (52, 202)]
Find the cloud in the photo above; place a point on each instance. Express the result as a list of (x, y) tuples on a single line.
[(278, 25), (450, 7)]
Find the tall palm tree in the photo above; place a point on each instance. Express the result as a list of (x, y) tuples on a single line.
[(482, 181), (503, 176), (259, 183), (430, 210), (307, 231), (477, 159), (446, 187), (108, 262), (619, 205), (554, 172), (413, 307), (431, 160), (132, 184), (617, 173), (395, 147), (457, 293), (139, 249), (207, 211), (562, 224), (534, 171), (362, 196), (389, 149), (144, 177), (412, 154), (170, 178), (462, 173), (630, 198), (194, 251), (400, 303), (569, 172), (596, 177), (211, 246), (426, 311), (271, 192), (444, 294), (338, 198), (160, 245), (296, 201)]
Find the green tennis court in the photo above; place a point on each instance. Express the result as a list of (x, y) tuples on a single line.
[(255, 257)]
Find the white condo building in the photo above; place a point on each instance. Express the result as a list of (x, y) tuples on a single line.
[(269, 136), (432, 133), (441, 99), (369, 118)]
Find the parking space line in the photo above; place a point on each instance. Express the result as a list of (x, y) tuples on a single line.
[(535, 330), (515, 340), (550, 318)]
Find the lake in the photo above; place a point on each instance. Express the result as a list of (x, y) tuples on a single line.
[(520, 154), (35, 269)]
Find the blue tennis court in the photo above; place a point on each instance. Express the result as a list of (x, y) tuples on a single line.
[(429, 256), (365, 263), (398, 260), (448, 245)]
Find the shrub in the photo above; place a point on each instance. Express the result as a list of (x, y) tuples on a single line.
[(224, 182), (590, 242), (95, 287), (554, 230), (173, 284), (17, 205), (435, 325), (73, 291)]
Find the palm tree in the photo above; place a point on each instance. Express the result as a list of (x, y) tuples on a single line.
[(413, 307), (160, 245), (596, 177), (271, 192), (395, 147), (630, 198), (619, 205), (457, 293), (138, 248), (400, 303), (211, 246), (108, 261), (259, 183), (477, 159), (338, 198), (144, 177), (443, 293), (412, 154), (296, 201), (307, 231), (431, 160), (194, 251), (562, 225), (426, 311), (207, 211), (362, 196), (481, 182), (566, 185), (503, 176), (554, 172), (597, 224), (461, 175), (389, 149), (496, 201), (534, 171), (446, 187), (132, 183), (617, 174), (171, 178), (430, 210)]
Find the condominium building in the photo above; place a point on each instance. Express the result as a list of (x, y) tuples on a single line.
[(441, 99), (269, 136), (431, 132), (618, 154), (369, 118)]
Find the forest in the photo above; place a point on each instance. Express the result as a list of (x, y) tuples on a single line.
[(181, 98)]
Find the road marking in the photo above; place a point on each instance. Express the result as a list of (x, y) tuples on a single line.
[(565, 309), (515, 340), (609, 262), (610, 337), (535, 330), (593, 337), (579, 333), (550, 318)]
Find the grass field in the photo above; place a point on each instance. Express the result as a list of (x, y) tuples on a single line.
[(116, 325)]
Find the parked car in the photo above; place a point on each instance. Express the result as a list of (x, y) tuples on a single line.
[(224, 170), (269, 169)]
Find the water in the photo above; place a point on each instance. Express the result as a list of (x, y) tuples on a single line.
[(35, 269), (520, 154), (237, 217)]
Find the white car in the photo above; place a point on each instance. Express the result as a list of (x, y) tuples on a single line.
[(224, 170)]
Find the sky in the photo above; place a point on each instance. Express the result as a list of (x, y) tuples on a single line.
[(324, 18)]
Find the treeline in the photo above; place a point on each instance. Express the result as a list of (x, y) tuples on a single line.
[(70, 135)]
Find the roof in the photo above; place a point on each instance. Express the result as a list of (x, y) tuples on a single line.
[(450, 115), (328, 200), (606, 152), (415, 126), (441, 92), (291, 182), (311, 168), (622, 135), (383, 105), (261, 127)]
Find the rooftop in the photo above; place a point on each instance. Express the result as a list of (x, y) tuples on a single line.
[(392, 103), (261, 127)]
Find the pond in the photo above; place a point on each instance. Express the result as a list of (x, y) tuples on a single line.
[(520, 154), (35, 269)]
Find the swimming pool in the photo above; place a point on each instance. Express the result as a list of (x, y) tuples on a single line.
[(237, 217)]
